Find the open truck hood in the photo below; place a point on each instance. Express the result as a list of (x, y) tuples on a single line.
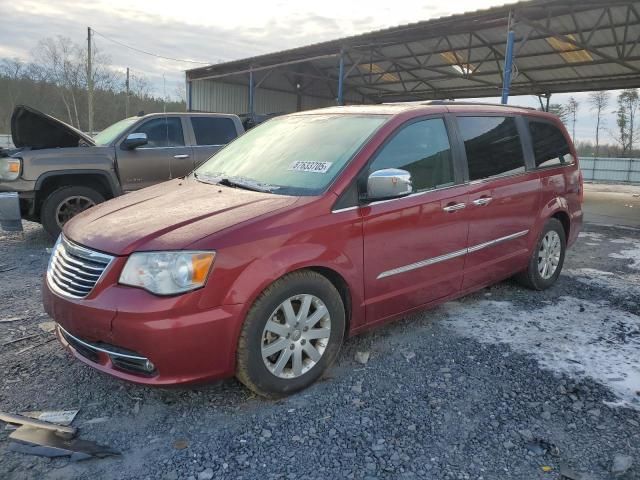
[(36, 130)]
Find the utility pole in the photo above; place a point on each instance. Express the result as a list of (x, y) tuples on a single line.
[(89, 81), (126, 104)]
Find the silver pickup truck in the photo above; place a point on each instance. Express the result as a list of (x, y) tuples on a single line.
[(57, 171)]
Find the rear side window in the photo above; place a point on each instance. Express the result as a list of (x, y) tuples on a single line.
[(493, 146), (550, 146), (422, 148), (163, 132), (213, 131)]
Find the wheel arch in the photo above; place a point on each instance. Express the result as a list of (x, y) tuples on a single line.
[(342, 286), (99, 180), (334, 266), (557, 208), (565, 220)]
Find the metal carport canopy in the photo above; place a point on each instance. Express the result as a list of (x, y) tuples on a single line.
[(559, 46)]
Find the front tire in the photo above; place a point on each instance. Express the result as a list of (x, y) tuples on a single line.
[(63, 204), (547, 257), (292, 334)]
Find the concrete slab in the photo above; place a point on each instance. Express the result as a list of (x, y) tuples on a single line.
[(617, 205)]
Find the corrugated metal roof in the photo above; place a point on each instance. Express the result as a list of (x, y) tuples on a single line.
[(569, 45)]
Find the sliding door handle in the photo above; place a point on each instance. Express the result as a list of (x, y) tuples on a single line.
[(482, 201), (180, 157), (454, 207)]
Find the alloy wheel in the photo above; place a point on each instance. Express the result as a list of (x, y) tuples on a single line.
[(549, 254), (296, 336), (71, 207)]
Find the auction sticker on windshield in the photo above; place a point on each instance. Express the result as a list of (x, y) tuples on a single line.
[(316, 167)]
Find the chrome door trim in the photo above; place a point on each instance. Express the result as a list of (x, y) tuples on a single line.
[(422, 263), (346, 209), (449, 256), (411, 195), (491, 243)]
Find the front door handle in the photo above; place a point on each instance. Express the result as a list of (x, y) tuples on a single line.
[(454, 207), (181, 156), (482, 201)]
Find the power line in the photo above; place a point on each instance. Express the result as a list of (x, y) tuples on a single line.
[(148, 53)]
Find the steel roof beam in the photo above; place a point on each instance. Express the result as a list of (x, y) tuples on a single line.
[(578, 44)]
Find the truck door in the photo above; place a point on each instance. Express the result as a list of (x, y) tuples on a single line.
[(210, 135), (165, 156)]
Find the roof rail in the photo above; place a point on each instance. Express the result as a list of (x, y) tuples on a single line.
[(483, 104)]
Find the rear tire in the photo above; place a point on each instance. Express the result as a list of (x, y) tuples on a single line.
[(63, 204), (292, 334), (546, 259)]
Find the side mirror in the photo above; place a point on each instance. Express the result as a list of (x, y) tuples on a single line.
[(388, 183), (134, 140)]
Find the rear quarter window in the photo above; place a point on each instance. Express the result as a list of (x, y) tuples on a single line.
[(492, 145), (550, 147), (213, 131)]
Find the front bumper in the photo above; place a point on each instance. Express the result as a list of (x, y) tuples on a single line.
[(132, 335), (10, 218)]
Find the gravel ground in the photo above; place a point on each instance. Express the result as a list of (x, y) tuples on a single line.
[(497, 385)]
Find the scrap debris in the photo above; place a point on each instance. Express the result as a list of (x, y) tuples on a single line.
[(47, 443), (10, 319), (50, 434), (47, 326), (60, 417)]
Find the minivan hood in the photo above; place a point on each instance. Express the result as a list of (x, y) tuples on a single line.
[(37, 130), (168, 216)]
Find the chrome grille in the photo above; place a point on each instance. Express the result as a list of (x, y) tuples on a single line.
[(74, 270)]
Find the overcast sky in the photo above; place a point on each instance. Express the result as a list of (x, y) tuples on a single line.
[(210, 31)]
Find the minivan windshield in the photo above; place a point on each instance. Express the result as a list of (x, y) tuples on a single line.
[(112, 132), (293, 155)]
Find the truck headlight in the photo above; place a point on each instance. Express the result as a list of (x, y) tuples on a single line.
[(167, 273), (10, 168)]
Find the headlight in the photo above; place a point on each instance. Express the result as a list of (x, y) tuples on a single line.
[(10, 168), (167, 273)]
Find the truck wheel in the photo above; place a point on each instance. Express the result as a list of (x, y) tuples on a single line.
[(546, 259), (292, 333), (65, 203)]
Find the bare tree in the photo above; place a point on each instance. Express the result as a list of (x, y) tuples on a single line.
[(64, 63), (12, 68), (598, 102), (559, 110), (140, 86), (572, 112), (628, 102)]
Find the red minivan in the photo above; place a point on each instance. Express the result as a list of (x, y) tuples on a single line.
[(309, 228)]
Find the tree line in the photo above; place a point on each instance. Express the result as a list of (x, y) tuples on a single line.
[(625, 134), (54, 81)]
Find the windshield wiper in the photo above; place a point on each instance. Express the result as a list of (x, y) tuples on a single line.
[(235, 182), (245, 184)]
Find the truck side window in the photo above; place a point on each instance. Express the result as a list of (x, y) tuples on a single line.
[(163, 132), (422, 148), (213, 131), (550, 146), (492, 145)]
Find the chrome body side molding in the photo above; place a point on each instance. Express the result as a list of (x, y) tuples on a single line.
[(449, 256)]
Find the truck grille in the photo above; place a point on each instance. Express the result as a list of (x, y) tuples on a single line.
[(74, 270)]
